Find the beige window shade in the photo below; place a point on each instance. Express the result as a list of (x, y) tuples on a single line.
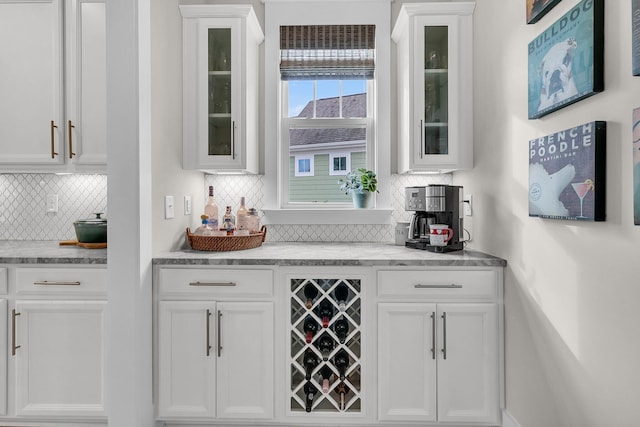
[(317, 52)]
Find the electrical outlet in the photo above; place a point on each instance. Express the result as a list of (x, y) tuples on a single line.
[(187, 205), (468, 205), (52, 203), (169, 209)]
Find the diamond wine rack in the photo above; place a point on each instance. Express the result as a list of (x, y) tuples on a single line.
[(325, 345)]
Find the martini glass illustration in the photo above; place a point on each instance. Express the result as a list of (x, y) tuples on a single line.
[(581, 189)]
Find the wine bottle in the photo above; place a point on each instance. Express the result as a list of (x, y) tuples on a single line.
[(341, 328), (310, 328), (310, 391), (342, 391), (211, 210), (325, 311), (341, 362), (310, 293), (342, 296), (310, 361), (325, 345), (326, 374)]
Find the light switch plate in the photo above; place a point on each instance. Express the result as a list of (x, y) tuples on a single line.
[(52, 203), (187, 205), (169, 208)]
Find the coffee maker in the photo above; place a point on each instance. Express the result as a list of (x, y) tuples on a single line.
[(434, 204)]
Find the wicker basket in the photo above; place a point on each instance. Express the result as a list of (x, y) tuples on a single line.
[(226, 243)]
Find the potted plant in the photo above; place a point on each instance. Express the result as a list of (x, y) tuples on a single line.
[(361, 184)]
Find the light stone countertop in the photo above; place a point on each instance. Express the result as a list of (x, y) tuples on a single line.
[(330, 254), (48, 252)]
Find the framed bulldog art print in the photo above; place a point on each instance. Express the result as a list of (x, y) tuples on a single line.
[(566, 61), (536, 9)]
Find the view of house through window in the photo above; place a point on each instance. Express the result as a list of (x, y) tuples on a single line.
[(327, 137)]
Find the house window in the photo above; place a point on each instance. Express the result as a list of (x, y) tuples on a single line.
[(326, 91), (339, 163), (303, 166)]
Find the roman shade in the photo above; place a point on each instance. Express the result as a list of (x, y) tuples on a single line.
[(321, 52)]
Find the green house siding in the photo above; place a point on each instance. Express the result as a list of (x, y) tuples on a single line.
[(322, 187)]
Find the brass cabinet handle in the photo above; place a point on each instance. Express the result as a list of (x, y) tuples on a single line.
[(69, 127), (443, 286), (212, 284), (444, 335), (53, 138), (433, 336), (219, 333), (208, 319), (14, 347), (48, 283)]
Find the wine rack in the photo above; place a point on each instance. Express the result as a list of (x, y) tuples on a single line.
[(318, 356)]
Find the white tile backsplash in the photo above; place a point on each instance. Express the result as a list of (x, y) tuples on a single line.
[(229, 189), (23, 198)]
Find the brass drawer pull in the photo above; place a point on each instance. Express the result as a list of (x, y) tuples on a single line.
[(208, 319), (213, 284), (70, 128), (53, 137), (451, 286), (48, 283)]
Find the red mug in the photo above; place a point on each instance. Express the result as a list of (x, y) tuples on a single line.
[(437, 233)]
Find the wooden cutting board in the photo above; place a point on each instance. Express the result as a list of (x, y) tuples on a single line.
[(83, 245)]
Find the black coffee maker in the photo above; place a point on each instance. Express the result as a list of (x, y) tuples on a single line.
[(434, 204)]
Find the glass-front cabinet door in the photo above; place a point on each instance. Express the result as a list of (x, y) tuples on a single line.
[(435, 93), (220, 55), (220, 87)]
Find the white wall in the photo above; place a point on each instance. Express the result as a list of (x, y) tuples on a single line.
[(572, 291)]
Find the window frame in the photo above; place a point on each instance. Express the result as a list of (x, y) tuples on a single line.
[(312, 12), (296, 163), (339, 155)]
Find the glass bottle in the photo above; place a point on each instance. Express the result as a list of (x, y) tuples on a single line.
[(254, 221), (229, 223), (211, 210), (242, 217)]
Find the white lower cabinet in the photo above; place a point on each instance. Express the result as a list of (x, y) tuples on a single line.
[(437, 362), (215, 354), (438, 350), (59, 358), (52, 336)]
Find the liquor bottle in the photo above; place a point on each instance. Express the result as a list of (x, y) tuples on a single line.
[(229, 223), (325, 311), (326, 374), (310, 391), (310, 328), (242, 217), (310, 293), (204, 229), (341, 362), (341, 328), (211, 210), (342, 296), (342, 391), (310, 361), (325, 345)]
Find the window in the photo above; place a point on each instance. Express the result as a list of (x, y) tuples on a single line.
[(303, 166), (326, 112), (339, 163), (375, 127)]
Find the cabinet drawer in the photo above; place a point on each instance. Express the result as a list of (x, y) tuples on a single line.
[(61, 281), (216, 282), (3, 280), (445, 284)]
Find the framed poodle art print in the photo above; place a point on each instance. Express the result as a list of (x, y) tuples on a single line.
[(566, 61)]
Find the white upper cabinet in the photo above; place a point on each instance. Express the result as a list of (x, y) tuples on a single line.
[(53, 108), (435, 86), (220, 87)]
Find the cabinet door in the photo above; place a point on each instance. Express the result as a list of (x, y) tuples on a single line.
[(245, 360), (86, 82), (31, 83), (60, 359), (186, 359), (3, 356), (406, 362), (468, 363)]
